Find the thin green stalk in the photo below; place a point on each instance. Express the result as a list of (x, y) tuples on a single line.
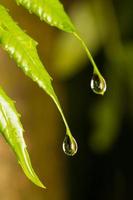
[(95, 68), (55, 99)]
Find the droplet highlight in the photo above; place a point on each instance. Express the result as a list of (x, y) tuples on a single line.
[(98, 84), (70, 146)]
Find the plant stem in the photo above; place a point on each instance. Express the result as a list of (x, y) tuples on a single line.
[(95, 68)]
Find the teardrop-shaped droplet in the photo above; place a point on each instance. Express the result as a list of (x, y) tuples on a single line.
[(98, 84), (70, 146)]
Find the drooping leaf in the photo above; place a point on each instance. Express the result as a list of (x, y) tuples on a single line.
[(23, 50), (52, 12), (12, 130)]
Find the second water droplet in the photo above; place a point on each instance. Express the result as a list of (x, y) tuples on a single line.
[(98, 84), (70, 146)]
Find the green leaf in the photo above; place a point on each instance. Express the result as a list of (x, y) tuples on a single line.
[(52, 12), (12, 130), (23, 50)]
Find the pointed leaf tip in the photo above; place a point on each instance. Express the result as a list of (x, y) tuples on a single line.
[(24, 161), (12, 130)]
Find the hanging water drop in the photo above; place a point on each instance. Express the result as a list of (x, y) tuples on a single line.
[(98, 84), (70, 146)]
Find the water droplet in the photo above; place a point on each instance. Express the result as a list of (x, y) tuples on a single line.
[(98, 84), (70, 146)]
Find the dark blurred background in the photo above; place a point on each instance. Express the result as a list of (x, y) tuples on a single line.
[(102, 125)]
